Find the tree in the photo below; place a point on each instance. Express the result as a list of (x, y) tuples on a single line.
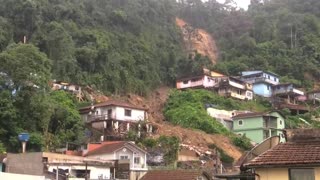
[(25, 66)]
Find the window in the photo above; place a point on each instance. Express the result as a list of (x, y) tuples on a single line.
[(185, 82), (249, 94), (137, 160), (124, 157), (275, 79), (301, 174), (280, 122), (127, 112), (268, 87), (240, 122), (268, 77)]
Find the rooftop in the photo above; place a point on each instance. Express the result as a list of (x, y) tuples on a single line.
[(302, 149), (174, 175), (110, 147), (253, 114), (113, 103)]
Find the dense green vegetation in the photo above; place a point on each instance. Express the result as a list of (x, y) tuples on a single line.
[(187, 108), (27, 105), (133, 46), (117, 46), (276, 35)]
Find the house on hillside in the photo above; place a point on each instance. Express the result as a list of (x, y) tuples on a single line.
[(224, 116), (131, 158), (259, 126), (72, 88), (235, 88), (261, 81), (314, 96), (298, 158), (287, 96), (176, 175), (208, 79), (114, 118)]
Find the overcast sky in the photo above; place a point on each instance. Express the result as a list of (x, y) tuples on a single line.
[(241, 3)]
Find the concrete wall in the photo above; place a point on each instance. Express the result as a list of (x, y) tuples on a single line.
[(11, 176), (279, 173), (205, 81), (27, 163), (248, 123), (95, 171), (261, 89), (136, 114)]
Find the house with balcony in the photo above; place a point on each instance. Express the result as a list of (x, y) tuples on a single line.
[(127, 155), (235, 88), (115, 118), (209, 79), (259, 126), (261, 81), (287, 96)]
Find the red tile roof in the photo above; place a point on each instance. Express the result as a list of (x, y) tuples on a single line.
[(114, 103), (110, 147), (174, 175), (294, 153)]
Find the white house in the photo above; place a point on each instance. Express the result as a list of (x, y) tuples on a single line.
[(123, 151), (114, 116)]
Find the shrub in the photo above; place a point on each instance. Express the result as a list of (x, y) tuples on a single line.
[(242, 141)]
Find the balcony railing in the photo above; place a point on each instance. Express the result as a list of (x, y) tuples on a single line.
[(260, 79), (102, 117)]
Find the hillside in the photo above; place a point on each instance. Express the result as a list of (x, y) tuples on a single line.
[(155, 103), (198, 40), (140, 47)]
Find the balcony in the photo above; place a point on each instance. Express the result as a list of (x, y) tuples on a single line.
[(235, 95), (291, 91), (260, 79), (103, 117)]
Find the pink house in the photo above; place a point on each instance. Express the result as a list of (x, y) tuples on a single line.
[(206, 80)]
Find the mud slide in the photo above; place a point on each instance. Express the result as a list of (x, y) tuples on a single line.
[(199, 40)]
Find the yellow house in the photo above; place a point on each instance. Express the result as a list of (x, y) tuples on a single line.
[(297, 159)]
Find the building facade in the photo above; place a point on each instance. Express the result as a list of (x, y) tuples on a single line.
[(259, 126), (124, 153), (261, 81), (235, 88), (115, 118)]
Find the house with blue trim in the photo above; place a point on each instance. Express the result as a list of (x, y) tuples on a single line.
[(262, 81)]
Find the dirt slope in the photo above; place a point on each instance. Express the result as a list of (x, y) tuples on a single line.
[(198, 39), (155, 103)]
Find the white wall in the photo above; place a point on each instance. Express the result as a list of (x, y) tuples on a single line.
[(11, 176), (95, 171), (136, 115), (118, 113), (125, 152)]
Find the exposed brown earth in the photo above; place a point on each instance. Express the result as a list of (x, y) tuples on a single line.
[(155, 103), (204, 45)]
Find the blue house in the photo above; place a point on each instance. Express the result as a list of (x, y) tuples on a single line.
[(262, 81)]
